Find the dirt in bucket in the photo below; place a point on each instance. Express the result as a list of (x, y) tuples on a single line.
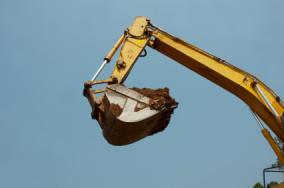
[(159, 98)]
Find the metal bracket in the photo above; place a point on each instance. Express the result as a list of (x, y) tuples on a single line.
[(273, 168), (89, 84)]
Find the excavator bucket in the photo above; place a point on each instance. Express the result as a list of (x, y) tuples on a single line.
[(128, 115)]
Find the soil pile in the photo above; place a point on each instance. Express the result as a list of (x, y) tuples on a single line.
[(159, 98)]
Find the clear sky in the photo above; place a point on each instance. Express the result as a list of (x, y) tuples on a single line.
[(49, 48)]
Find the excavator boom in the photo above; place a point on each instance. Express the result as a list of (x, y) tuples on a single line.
[(264, 103)]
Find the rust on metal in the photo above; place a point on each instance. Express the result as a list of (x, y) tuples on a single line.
[(159, 98), (128, 115), (115, 109)]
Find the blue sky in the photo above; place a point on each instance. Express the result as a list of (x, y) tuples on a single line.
[(49, 48)]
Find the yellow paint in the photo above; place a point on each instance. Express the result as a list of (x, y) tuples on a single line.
[(227, 76)]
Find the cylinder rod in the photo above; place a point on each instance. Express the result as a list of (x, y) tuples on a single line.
[(266, 101), (99, 70)]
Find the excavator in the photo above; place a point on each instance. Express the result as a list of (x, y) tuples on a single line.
[(126, 115)]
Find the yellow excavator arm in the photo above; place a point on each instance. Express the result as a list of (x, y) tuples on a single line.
[(264, 103)]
